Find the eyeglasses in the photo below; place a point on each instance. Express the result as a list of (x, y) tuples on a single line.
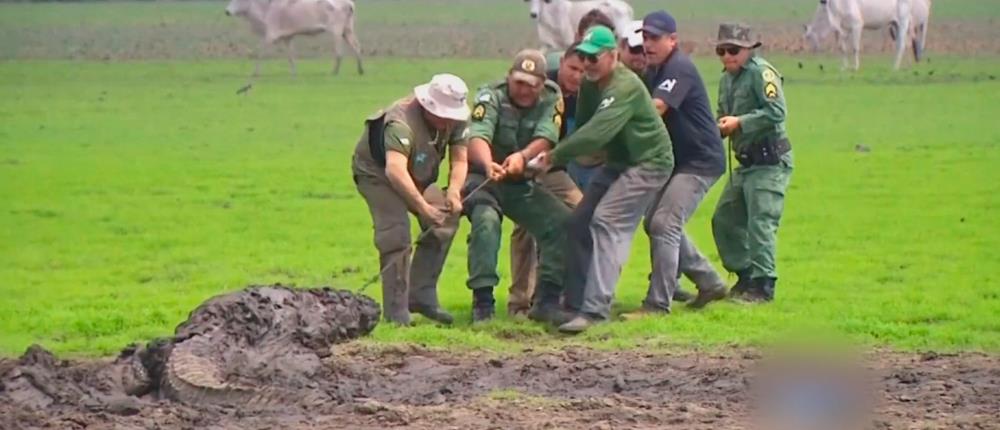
[(636, 50), (731, 50)]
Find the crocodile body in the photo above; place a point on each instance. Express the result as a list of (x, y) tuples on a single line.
[(258, 348)]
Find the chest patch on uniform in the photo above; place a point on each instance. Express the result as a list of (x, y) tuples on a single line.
[(479, 111), (771, 90), (605, 103)]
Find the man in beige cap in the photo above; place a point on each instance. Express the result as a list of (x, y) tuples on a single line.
[(512, 121), (395, 167)]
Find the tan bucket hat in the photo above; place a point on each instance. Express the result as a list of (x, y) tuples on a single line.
[(444, 96)]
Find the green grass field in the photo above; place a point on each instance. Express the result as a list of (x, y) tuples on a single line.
[(136, 189)]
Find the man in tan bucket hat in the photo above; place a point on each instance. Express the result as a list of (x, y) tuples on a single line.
[(395, 168)]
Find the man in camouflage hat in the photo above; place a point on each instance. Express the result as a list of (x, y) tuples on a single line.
[(395, 168), (752, 115), (512, 121)]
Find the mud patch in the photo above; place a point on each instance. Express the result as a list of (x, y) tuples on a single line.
[(405, 386)]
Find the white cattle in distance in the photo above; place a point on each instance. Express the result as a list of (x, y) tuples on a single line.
[(557, 20), (846, 19), (278, 21)]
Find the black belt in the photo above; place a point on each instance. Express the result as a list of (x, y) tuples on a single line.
[(766, 152)]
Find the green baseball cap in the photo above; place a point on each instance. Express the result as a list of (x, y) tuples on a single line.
[(597, 39)]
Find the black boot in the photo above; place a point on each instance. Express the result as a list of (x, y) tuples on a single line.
[(761, 290), (742, 285), (483, 304), (546, 308)]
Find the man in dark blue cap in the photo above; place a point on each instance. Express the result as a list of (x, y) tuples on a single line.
[(680, 97)]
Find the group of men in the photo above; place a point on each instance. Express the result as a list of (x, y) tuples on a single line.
[(576, 155)]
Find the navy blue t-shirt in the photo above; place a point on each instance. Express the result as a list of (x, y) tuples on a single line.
[(698, 148), (569, 112)]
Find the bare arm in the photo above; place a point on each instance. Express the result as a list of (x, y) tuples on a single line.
[(459, 169), (536, 147), (479, 153)]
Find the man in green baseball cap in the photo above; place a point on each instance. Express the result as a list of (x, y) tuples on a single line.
[(614, 114)]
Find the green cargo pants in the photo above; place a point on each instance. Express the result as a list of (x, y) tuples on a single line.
[(528, 205), (745, 223)]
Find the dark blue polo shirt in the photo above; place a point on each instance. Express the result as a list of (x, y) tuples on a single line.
[(698, 148)]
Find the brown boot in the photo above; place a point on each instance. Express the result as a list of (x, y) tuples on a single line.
[(707, 295)]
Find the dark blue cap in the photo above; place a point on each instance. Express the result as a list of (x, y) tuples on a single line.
[(659, 23)]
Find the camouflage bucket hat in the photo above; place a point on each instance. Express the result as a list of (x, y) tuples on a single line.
[(736, 34)]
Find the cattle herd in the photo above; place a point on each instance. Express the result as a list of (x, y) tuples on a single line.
[(279, 21)]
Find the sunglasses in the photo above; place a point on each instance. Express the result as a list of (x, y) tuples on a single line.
[(591, 58), (731, 50), (636, 50)]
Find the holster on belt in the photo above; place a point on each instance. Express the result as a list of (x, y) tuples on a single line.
[(766, 152)]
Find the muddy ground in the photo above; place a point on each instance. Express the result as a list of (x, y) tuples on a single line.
[(411, 387)]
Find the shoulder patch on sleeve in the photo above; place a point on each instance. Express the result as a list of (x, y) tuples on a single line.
[(771, 90), (479, 111), (560, 105), (769, 75), (405, 141), (668, 84)]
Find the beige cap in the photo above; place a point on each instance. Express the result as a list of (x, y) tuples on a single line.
[(444, 96), (529, 66)]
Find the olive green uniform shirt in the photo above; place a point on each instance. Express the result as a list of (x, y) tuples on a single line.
[(408, 133), (509, 128), (754, 95)]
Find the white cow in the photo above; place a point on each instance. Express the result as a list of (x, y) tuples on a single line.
[(557, 19), (846, 19), (281, 20)]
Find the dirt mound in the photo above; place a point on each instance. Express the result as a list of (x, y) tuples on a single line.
[(258, 347)]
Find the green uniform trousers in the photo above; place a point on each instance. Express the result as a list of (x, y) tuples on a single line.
[(524, 253), (745, 223), (531, 207)]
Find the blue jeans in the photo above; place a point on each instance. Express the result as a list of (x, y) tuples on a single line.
[(581, 174)]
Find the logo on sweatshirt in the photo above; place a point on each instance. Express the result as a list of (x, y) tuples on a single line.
[(606, 102)]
